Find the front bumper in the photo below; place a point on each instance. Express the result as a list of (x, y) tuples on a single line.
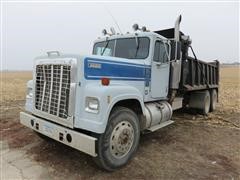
[(59, 133)]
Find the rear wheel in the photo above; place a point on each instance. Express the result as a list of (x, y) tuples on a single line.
[(201, 101), (206, 103), (213, 96), (118, 144)]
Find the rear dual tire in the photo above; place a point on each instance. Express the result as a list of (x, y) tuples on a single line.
[(214, 99), (204, 101)]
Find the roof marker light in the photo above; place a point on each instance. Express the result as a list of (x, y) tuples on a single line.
[(135, 27), (144, 29), (113, 30), (104, 32)]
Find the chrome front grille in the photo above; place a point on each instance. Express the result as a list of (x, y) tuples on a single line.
[(52, 89)]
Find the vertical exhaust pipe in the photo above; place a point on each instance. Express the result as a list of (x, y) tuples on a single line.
[(177, 35), (177, 28), (176, 63)]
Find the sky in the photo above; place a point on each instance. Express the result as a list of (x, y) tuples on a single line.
[(31, 29)]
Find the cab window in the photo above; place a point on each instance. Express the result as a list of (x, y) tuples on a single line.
[(104, 48), (161, 52), (130, 48)]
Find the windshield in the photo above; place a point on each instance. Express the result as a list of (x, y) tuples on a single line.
[(130, 48)]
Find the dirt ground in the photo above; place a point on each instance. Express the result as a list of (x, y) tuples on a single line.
[(194, 147)]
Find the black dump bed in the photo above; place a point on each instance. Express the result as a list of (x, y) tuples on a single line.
[(195, 74)]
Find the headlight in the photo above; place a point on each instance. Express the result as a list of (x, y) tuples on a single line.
[(92, 105)]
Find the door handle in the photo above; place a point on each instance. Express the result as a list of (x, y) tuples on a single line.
[(158, 63)]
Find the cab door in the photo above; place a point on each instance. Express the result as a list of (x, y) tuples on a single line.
[(160, 70)]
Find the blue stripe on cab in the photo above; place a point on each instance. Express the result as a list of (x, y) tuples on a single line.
[(98, 68)]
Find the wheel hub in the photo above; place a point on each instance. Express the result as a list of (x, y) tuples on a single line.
[(121, 139)]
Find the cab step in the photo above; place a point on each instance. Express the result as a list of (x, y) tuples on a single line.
[(161, 125)]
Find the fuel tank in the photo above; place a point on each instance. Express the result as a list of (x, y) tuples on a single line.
[(157, 113)]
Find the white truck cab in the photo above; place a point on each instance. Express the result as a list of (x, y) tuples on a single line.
[(100, 103)]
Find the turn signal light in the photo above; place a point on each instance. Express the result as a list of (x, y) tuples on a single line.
[(105, 81)]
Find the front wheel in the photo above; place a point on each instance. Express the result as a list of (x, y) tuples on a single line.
[(118, 144)]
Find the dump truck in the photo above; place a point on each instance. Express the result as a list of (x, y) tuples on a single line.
[(130, 85)]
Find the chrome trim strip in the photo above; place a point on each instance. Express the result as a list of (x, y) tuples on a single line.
[(50, 95), (72, 99), (73, 82), (44, 87), (60, 90)]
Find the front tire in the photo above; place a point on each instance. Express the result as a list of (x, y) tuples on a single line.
[(119, 143)]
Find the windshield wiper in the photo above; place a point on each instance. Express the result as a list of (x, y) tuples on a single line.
[(137, 43), (105, 47)]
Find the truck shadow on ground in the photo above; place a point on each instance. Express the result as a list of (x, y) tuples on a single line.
[(64, 160), (185, 150), (180, 148)]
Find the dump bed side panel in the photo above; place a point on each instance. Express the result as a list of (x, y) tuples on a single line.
[(199, 75)]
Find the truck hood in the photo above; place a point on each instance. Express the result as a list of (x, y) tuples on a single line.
[(97, 67)]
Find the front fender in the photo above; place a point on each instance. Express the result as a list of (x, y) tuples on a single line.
[(29, 97), (108, 96)]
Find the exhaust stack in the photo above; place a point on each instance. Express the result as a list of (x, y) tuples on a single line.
[(177, 28)]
